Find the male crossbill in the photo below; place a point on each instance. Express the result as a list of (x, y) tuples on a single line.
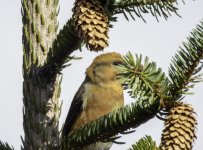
[(100, 93)]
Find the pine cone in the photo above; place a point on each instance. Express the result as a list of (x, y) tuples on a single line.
[(91, 23), (179, 132)]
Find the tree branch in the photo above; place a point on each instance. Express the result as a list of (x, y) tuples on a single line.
[(104, 128), (137, 8), (5, 146), (186, 64), (145, 143), (66, 42)]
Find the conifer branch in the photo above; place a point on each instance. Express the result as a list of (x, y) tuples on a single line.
[(136, 8), (105, 128), (143, 78), (5, 146), (186, 65), (145, 143), (66, 42)]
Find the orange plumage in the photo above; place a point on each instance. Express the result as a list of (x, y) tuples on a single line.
[(99, 94)]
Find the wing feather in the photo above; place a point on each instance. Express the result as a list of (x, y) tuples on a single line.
[(75, 110)]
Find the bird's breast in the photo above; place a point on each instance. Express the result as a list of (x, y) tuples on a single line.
[(109, 96), (98, 101)]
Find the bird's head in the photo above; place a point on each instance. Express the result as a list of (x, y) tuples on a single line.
[(104, 67)]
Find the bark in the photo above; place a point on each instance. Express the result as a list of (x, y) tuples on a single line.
[(41, 106)]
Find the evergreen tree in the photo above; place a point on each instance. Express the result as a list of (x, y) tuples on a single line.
[(46, 54)]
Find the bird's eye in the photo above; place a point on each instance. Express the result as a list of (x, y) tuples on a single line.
[(116, 63)]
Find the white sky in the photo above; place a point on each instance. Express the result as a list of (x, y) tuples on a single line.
[(159, 41)]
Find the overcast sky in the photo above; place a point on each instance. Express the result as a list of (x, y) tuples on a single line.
[(158, 41)]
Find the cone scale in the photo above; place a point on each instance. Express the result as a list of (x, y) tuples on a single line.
[(180, 127), (91, 23)]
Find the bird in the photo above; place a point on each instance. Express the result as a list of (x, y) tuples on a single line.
[(99, 94)]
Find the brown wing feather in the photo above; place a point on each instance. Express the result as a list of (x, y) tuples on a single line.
[(74, 111)]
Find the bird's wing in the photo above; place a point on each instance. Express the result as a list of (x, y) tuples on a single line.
[(74, 111)]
